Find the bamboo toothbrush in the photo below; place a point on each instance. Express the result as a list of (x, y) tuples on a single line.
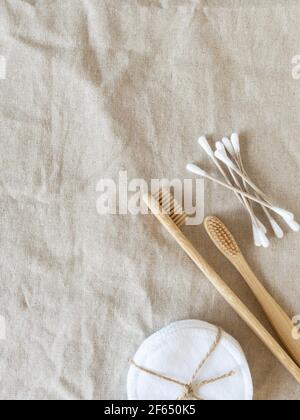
[(172, 217), (226, 243)]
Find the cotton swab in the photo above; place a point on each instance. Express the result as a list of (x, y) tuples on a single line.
[(235, 153), (219, 154), (256, 235), (206, 147), (235, 140), (286, 215), (233, 148), (228, 162), (293, 225), (238, 159), (275, 226), (198, 171), (256, 223), (228, 153), (228, 146)]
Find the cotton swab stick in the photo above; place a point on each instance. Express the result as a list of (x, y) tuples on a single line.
[(207, 148), (228, 153), (235, 140), (233, 148), (237, 156), (198, 171), (228, 162), (228, 146), (286, 215), (258, 237), (202, 143), (259, 229), (221, 148)]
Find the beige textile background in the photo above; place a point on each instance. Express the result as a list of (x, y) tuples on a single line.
[(98, 86)]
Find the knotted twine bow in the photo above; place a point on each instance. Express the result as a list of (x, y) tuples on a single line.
[(191, 389)]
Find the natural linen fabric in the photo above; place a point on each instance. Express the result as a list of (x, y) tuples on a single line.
[(98, 86)]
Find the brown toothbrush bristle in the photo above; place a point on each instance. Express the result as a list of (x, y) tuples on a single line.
[(171, 207), (221, 236)]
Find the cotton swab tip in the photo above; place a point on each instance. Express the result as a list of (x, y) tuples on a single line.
[(225, 159), (277, 229), (293, 225), (196, 170), (205, 146), (220, 147), (262, 226), (263, 239), (235, 140), (256, 236), (228, 145), (286, 215)]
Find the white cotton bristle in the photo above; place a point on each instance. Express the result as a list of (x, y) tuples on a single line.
[(225, 159), (235, 140), (256, 236), (205, 146), (293, 225), (286, 215), (263, 238), (228, 145), (195, 170), (277, 229)]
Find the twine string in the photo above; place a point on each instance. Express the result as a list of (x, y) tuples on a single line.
[(191, 389)]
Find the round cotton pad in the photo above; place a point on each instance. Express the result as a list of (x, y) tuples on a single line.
[(176, 352)]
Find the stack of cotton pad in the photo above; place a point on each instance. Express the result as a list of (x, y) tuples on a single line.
[(176, 351)]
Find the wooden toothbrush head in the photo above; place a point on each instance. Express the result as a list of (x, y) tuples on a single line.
[(222, 237), (165, 207)]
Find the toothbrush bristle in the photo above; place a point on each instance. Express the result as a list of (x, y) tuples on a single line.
[(221, 236), (170, 206)]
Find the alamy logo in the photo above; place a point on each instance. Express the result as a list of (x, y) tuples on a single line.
[(296, 68), (124, 196)]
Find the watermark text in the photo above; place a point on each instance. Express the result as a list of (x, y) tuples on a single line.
[(124, 196)]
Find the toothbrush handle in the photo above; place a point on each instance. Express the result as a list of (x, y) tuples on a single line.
[(276, 315), (231, 298)]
